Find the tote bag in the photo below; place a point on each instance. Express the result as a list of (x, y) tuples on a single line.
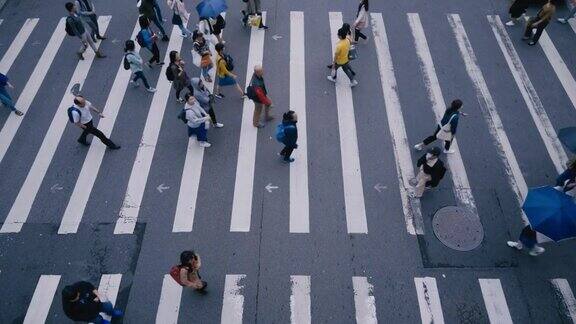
[(445, 132)]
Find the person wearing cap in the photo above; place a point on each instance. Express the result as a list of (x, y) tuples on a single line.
[(81, 301), (431, 171)]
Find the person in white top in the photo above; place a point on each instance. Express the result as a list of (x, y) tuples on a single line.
[(180, 16), (197, 120), (361, 20), (82, 118)]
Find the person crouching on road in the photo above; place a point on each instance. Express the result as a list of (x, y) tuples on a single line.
[(189, 271), (197, 120), (431, 171), (83, 302)]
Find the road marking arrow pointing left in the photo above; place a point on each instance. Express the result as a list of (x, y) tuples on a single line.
[(270, 187), (161, 188)]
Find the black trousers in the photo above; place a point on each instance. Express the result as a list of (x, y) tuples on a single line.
[(539, 29), (90, 129), (94, 25), (287, 152), (155, 54), (358, 34), (347, 69), (212, 114), (179, 90), (432, 138)]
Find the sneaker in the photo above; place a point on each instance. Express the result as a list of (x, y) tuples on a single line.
[(353, 83), (84, 143), (204, 144), (151, 89), (218, 125), (419, 146), (289, 160), (263, 27), (532, 43), (135, 84), (80, 56), (101, 37), (331, 78), (536, 250), (115, 147), (100, 55), (18, 112), (449, 151), (160, 63), (562, 20), (525, 38), (510, 23), (180, 100), (219, 95), (516, 245)]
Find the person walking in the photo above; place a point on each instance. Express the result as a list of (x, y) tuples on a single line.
[(348, 31), (86, 11), (180, 16), (361, 21), (253, 8), (180, 79), (146, 9), (516, 11), (287, 133), (569, 15), (446, 129), (197, 120), (135, 63), (218, 27), (224, 73), (189, 268), (431, 171), (566, 182), (5, 97), (527, 240), (540, 21), (205, 99), (147, 39), (260, 97), (75, 27), (81, 301), (202, 48), (341, 59), (158, 11), (80, 115)]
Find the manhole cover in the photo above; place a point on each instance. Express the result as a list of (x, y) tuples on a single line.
[(458, 228)]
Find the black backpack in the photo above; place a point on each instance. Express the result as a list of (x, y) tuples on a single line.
[(126, 63), (220, 22), (182, 116), (68, 27), (251, 92), (170, 73), (229, 62)]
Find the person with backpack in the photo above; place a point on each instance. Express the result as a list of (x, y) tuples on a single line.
[(133, 61), (80, 115), (5, 97), (75, 27), (196, 119), (180, 16), (187, 272), (341, 59), (177, 75), (287, 134), (205, 99), (147, 38), (258, 93), (253, 8), (431, 171), (82, 302), (218, 27), (361, 21), (146, 9), (86, 11), (202, 48), (446, 129), (224, 67)]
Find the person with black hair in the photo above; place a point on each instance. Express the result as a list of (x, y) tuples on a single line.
[(5, 98), (224, 73), (446, 129), (361, 21), (180, 16), (431, 171), (181, 79), (205, 99), (540, 21), (146, 9), (202, 48), (80, 114), (341, 58), (189, 271), (289, 120), (135, 61), (147, 39), (75, 25), (81, 301), (86, 11), (197, 120)]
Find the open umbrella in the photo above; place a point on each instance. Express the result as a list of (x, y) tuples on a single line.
[(211, 8), (568, 137), (551, 212)]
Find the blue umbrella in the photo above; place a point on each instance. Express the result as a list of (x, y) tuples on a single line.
[(551, 212), (568, 137), (211, 8)]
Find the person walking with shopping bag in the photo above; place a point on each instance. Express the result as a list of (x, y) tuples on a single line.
[(341, 59), (180, 16), (431, 171), (202, 50), (361, 21), (446, 129)]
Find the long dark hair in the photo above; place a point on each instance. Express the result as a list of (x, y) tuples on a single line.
[(288, 116), (143, 22), (186, 257), (455, 105), (364, 4)]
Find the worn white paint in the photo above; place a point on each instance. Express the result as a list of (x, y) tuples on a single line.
[(565, 296), (109, 287), (233, 303), (429, 300), (21, 208), (364, 301), (42, 299), (300, 300), (495, 301), (17, 44), (169, 305), (244, 185), (403, 157)]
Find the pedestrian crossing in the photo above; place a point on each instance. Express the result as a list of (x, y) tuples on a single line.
[(368, 304), (354, 189)]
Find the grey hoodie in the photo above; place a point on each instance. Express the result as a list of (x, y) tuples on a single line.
[(202, 95)]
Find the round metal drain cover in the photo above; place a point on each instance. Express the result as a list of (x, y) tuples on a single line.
[(458, 228)]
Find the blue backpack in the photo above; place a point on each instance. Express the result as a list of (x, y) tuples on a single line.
[(280, 134), (70, 116)]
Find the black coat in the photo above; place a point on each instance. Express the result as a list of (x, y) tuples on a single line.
[(436, 171)]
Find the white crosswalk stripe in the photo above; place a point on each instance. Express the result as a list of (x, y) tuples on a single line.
[(42, 299), (109, 287), (566, 297), (495, 301), (85, 182), (130, 210), (233, 303), (17, 45), (429, 300), (169, 305), (351, 173), (364, 301), (31, 88), (300, 300), (244, 184), (21, 208)]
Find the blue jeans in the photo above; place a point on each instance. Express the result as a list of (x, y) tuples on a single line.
[(157, 9), (140, 75), (158, 24), (108, 309), (6, 99), (200, 132), (206, 71)]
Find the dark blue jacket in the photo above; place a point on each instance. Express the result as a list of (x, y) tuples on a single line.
[(454, 123), (291, 133), (566, 175)]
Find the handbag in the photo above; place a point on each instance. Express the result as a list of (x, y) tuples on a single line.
[(445, 132), (196, 58), (353, 53), (254, 20)]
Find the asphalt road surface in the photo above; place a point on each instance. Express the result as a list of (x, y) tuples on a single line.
[(333, 237)]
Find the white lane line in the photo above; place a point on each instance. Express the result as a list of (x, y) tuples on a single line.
[(244, 185), (572, 23), (488, 107), (300, 300), (566, 297), (130, 209), (188, 195), (462, 189), (364, 301), (233, 303), (429, 300), (17, 45), (21, 208), (539, 115), (109, 287), (351, 173), (85, 182), (495, 301), (299, 200), (31, 88), (403, 157), (169, 305), (42, 299)]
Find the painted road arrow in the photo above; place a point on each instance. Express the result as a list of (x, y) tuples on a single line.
[(161, 188), (270, 187), (378, 187)]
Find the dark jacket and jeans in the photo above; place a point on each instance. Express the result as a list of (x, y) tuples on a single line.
[(290, 139), (86, 309), (453, 126)]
